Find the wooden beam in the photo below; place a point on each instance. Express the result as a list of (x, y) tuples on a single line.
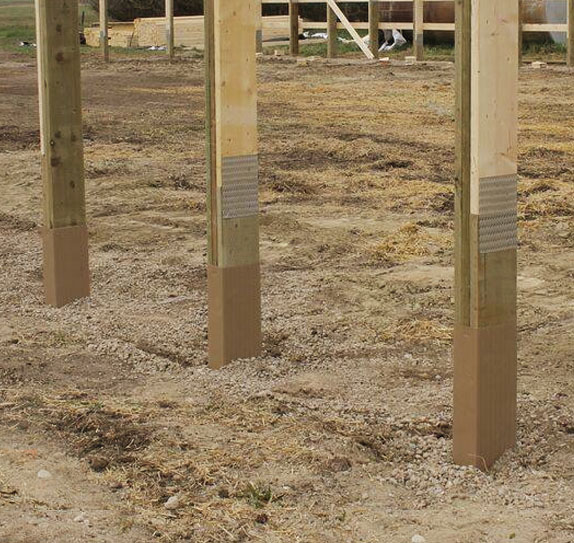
[(259, 30), (374, 19), (169, 29), (349, 28), (332, 33), (104, 37), (462, 182), (293, 28), (66, 273), (418, 32), (520, 33), (233, 216), (486, 223), (571, 33)]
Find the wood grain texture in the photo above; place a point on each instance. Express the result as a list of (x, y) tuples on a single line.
[(462, 181), (485, 356), (418, 32), (210, 131), (332, 33), (231, 133), (60, 113), (494, 135), (104, 38), (65, 235), (169, 29), (571, 33), (293, 28), (235, 77), (374, 19)]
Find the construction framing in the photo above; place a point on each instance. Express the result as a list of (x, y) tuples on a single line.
[(485, 355), (104, 34), (485, 345), (65, 235), (418, 25), (232, 157)]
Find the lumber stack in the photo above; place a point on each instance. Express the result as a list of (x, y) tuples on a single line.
[(120, 34), (189, 32)]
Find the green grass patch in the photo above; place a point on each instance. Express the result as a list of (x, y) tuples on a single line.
[(17, 23), (545, 51), (548, 51)]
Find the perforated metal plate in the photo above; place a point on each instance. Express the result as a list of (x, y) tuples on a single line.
[(497, 221), (239, 191)]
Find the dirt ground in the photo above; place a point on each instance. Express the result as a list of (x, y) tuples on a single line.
[(341, 431)]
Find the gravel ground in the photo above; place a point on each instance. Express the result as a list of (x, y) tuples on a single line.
[(341, 430)]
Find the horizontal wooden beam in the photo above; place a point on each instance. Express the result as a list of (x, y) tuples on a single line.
[(437, 27)]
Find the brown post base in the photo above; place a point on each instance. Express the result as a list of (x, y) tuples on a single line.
[(66, 268), (234, 313), (485, 366)]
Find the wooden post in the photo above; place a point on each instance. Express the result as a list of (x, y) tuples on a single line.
[(104, 38), (169, 29), (332, 33), (350, 29), (293, 28), (571, 33), (418, 29), (65, 235), (374, 18), (520, 33), (486, 231), (232, 161), (259, 31)]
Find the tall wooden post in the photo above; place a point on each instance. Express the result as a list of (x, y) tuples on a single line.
[(65, 235), (332, 33), (418, 29), (233, 214), (169, 29), (293, 28), (104, 37), (520, 34), (486, 226), (571, 33), (259, 30), (374, 18)]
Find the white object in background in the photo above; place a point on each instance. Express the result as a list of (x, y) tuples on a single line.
[(399, 41)]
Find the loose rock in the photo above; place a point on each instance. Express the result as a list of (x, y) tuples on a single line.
[(172, 503), (44, 474)]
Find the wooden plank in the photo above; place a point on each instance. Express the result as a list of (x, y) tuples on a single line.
[(462, 181), (362, 45), (374, 19), (104, 38), (418, 22), (520, 33), (233, 270), (332, 33), (293, 28), (66, 273), (189, 31), (485, 334), (571, 33), (259, 30), (169, 29), (211, 132), (363, 26)]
